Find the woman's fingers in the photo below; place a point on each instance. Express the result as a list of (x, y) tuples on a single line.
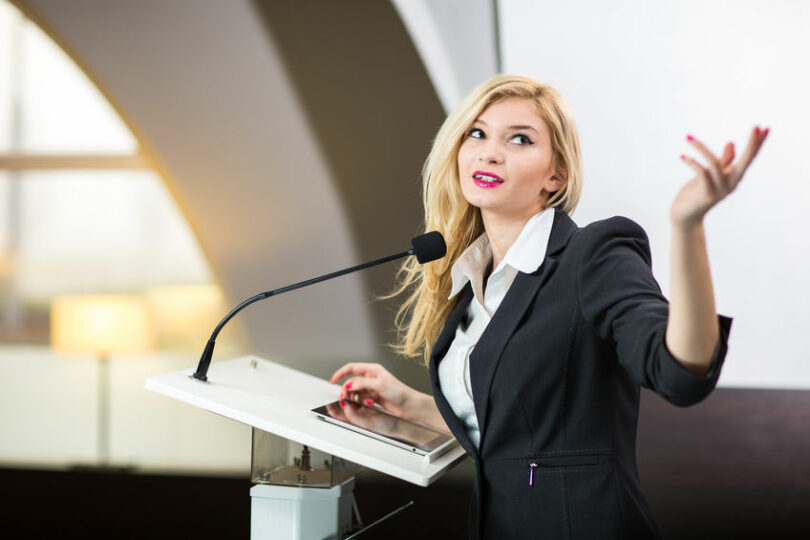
[(371, 390), (358, 397), (728, 155), (372, 384), (354, 368), (724, 174), (361, 385), (366, 382), (713, 182), (752, 148), (701, 172), (714, 163), (341, 373)]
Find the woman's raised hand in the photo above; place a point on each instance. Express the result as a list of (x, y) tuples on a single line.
[(372, 384), (715, 180)]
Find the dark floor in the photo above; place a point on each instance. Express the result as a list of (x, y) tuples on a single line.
[(734, 466)]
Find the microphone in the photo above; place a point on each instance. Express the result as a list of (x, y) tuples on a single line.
[(427, 247)]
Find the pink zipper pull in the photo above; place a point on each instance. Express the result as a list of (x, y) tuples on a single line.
[(532, 467)]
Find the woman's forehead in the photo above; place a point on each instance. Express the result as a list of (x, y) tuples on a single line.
[(512, 112)]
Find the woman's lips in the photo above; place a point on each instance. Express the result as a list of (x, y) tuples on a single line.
[(486, 179), (485, 184)]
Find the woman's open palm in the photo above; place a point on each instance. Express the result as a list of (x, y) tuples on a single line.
[(714, 181)]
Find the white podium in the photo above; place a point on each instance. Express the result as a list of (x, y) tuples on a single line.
[(277, 400)]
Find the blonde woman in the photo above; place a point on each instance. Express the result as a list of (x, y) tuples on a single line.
[(537, 333)]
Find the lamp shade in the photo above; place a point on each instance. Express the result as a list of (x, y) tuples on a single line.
[(102, 324), (185, 315)]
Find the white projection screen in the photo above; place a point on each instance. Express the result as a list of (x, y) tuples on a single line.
[(640, 76)]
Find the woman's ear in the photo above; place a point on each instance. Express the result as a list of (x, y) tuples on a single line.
[(556, 182)]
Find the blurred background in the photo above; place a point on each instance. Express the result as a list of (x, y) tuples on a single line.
[(162, 161)]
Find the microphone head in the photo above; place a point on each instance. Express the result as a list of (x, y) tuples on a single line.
[(429, 247)]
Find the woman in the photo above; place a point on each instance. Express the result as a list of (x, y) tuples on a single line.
[(538, 334)]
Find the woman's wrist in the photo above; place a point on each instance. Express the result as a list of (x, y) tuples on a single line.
[(685, 236), (420, 407), (687, 224), (428, 413), (416, 407)]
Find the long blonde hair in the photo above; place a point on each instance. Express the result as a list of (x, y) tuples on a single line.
[(425, 310)]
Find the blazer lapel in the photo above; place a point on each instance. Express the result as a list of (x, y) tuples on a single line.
[(453, 320), (487, 353), (438, 352)]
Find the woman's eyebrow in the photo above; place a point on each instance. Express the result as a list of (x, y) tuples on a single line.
[(523, 127), (479, 121)]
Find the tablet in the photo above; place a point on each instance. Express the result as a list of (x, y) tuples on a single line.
[(384, 426)]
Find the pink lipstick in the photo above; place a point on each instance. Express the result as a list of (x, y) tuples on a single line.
[(486, 179)]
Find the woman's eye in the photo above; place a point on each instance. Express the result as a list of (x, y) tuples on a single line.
[(475, 133), (522, 139)]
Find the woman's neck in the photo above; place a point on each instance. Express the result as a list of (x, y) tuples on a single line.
[(502, 231)]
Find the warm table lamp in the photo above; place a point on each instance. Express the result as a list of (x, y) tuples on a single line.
[(101, 325), (183, 315)]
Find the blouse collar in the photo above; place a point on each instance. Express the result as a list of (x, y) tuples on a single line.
[(526, 254)]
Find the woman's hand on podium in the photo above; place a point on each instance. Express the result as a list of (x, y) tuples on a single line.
[(372, 384)]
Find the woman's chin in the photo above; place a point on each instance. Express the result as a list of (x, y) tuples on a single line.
[(482, 199)]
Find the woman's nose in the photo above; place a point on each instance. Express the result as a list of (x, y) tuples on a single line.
[(491, 152)]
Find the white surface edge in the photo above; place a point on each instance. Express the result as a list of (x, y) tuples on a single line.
[(278, 400)]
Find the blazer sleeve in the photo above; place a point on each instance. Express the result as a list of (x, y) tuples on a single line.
[(621, 300)]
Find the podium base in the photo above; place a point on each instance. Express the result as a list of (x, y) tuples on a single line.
[(301, 513)]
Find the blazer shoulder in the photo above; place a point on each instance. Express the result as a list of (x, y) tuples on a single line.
[(611, 233), (614, 226)]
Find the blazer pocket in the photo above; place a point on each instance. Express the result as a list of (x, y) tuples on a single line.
[(588, 491), (563, 460), (512, 508)]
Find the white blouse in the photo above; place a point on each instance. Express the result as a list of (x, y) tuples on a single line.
[(526, 255)]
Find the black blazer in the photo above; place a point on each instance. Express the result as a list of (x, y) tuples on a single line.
[(555, 380)]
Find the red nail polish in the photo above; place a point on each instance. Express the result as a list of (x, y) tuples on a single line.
[(766, 131), (349, 386), (342, 404), (683, 156), (341, 395), (756, 130), (368, 402), (690, 138)]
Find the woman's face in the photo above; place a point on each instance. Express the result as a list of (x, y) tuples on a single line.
[(504, 162)]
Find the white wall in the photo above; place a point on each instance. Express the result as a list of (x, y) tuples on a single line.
[(640, 76)]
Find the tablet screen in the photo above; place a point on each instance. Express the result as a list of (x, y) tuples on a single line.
[(382, 425)]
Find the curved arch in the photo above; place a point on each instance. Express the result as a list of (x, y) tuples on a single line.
[(230, 104)]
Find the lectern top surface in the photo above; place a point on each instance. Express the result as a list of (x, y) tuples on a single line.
[(278, 399)]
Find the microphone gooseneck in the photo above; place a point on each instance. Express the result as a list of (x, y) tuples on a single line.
[(427, 247)]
